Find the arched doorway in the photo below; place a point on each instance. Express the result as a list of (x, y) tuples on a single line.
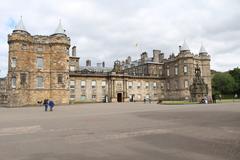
[(119, 97)]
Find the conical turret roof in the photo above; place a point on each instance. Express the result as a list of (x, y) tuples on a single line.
[(185, 46), (60, 29), (202, 49), (20, 26)]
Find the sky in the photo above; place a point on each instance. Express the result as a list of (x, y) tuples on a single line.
[(107, 30)]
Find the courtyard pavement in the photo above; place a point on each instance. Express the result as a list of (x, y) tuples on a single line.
[(126, 131)]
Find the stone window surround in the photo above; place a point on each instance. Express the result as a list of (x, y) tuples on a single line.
[(14, 81), (60, 78), (83, 83), (147, 85), (39, 82), (40, 62), (94, 83), (186, 84), (130, 85), (23, 78), (13, 62)]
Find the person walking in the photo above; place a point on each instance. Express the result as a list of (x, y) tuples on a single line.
[(51, 104), (45, 103)]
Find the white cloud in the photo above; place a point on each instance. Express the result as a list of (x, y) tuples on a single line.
[(108, 30)]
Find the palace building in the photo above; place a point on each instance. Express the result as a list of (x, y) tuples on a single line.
[(42, 67)]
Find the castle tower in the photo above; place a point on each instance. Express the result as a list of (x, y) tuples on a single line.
[(38, 67)]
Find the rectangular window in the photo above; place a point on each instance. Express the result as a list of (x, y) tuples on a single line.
[(23, 78), (72, 68), (13, 62), (176, 70), (39, 62), (168, 72), (40, 82), (13, 82), (130, 85), (72, 84), (104, 83), (83, 97), (138, 85), (154, 85), (72, 97), (185, 69), (60, 78), (83, 84), (147, 85), (93, 84), (186, 84)]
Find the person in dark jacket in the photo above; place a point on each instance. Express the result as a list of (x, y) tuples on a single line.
[(51, 104), (45, 103)]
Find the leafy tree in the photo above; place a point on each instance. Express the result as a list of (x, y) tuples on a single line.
[(236, 75), (223, 83)]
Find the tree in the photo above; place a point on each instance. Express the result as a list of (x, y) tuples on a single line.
[(236, 75), (223, 83)]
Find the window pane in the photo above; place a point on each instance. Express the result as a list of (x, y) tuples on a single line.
[(83, 83), (60, 78), (23, 78), (39, 82), (39, 62), (13, 82), (93, 83), (13, 62)]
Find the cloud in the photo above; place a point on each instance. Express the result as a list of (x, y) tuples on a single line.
[(107, 30)]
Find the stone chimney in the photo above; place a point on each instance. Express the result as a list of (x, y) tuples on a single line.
[(161, 57), (129, 59), (156, 54), (88, 63), (144, 57), (74, 48)]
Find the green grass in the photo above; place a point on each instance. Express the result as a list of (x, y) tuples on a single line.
[(187, 102), (177, 102), (228, 101)]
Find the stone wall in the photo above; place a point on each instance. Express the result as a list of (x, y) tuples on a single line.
[(26, 49)]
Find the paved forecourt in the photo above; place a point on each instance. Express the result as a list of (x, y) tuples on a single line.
[(121, 131)]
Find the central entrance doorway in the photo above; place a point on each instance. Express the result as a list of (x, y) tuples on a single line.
[(119, 97)]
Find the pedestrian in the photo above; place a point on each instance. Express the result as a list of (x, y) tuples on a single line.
[(214, 98), (45, 103), (220, 97), (206, 99), (51, 104)]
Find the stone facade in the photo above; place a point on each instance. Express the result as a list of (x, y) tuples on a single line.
[(41, 67), (38, 68)]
